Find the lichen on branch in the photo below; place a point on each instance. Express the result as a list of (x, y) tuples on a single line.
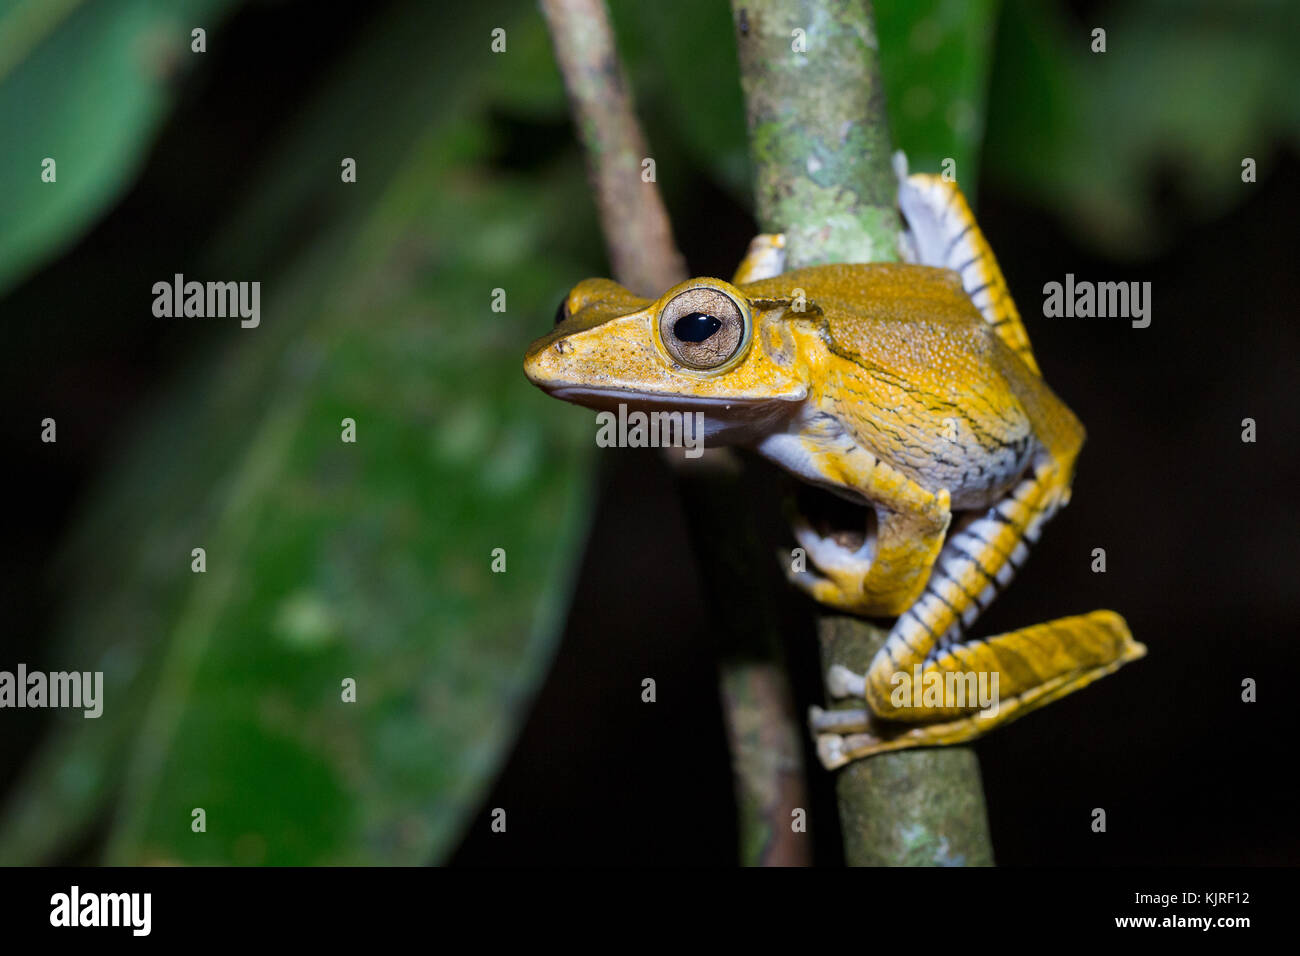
[(821, 150)]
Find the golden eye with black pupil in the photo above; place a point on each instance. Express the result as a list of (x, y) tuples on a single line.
[(702, 328), (562, 310)]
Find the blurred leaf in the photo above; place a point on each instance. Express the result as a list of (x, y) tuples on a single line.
[(1187, 89), (935, 56), (681, 56), (85, 84), (372, 561), (329, 560), (532, 84)]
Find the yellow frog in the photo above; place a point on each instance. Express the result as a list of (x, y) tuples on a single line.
[(909, 387)]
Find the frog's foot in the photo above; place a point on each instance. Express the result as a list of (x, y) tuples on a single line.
[(875, 572), (847, 735), (834, 750), (842, 556), (1050, 661), (823, 590), (764, 259), (844, 561)]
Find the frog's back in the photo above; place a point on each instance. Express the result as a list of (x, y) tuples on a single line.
[(916, 326), (923, 379), (907, 322), (886, 291)]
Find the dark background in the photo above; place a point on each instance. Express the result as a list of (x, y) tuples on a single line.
[(1198, 527)]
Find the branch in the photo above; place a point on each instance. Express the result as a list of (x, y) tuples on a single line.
[(821, 151), (632, 215)]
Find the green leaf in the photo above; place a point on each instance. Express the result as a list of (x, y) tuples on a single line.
[(1188, 89), (86, 85), (329, 560), (935, 56), (372, 561)]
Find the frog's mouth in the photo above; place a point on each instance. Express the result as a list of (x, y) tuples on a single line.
[(611, 398), (726, 421)]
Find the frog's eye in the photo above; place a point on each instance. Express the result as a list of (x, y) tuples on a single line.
[(702, 328), (562, 310)]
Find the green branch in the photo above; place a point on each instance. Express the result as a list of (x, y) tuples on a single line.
[(821, 151)]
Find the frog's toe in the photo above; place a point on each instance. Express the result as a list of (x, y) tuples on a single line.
[(842, 564), (835, 750), (765, 259), (842, 721), (830, 751), (808, 581), (828, 592), (821, 589), (842, 682)]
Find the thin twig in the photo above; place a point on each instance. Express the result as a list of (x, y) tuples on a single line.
[(762, 728), (632, 215)]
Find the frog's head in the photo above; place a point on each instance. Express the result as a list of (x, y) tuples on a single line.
[(701, 346)]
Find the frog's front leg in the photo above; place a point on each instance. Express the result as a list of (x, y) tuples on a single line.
[(888, 572), (884, 576), (764, 259)]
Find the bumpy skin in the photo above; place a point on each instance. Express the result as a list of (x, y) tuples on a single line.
[(909, 388)]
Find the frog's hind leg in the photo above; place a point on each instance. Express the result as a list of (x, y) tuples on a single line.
[(1036, 664), (1031, 666), (942, 232)]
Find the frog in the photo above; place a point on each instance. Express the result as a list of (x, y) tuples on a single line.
[(907, 387)]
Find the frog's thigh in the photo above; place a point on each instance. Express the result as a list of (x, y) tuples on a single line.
[(1035, 666)]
